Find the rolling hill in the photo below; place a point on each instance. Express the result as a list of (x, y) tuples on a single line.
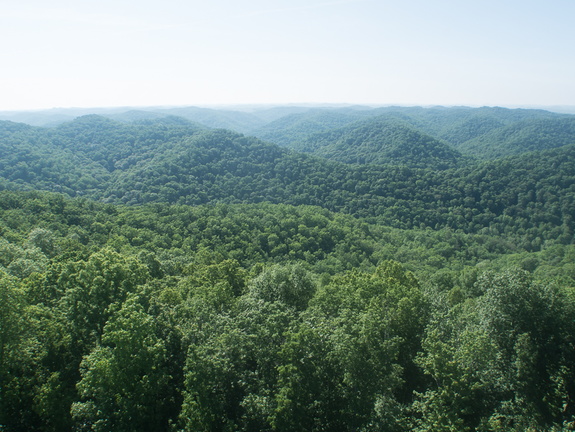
[(160, 274), (382, 141), (177, 162), (522, 137)]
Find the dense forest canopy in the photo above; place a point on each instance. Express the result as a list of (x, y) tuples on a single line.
[(189, 269), (383, 142)]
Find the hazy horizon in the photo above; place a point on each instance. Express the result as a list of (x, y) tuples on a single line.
[(65, 54), (247, 107)]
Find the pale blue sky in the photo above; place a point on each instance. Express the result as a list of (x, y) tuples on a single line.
[(88, 53)]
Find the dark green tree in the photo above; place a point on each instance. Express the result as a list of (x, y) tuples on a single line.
[(124, 385)]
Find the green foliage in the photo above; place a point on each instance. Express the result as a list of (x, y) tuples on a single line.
[(124, 385), (499, 361), (292, 129), (382, 141), (94, 290), (402, 299), (12, 305), (350, 358), (290, 285), (455, 125), (160, 163), (522, 137)]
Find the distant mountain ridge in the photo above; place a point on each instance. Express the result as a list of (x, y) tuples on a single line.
[(435, 137), (174, 161), (294, 128)]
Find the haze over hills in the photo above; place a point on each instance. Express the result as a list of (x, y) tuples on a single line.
[(473, 131), (291, 129), (398, 174)]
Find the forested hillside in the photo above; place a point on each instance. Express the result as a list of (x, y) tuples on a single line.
[(177, 162), (292, 129), (533, 135), (160, 275), (381, 142), (454, 125)]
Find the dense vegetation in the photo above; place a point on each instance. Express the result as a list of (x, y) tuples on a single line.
[(455, 126), (173, 161), (381, 142), (522, 137), (157, 275)]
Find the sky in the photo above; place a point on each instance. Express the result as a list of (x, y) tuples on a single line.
[(107, 53)]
